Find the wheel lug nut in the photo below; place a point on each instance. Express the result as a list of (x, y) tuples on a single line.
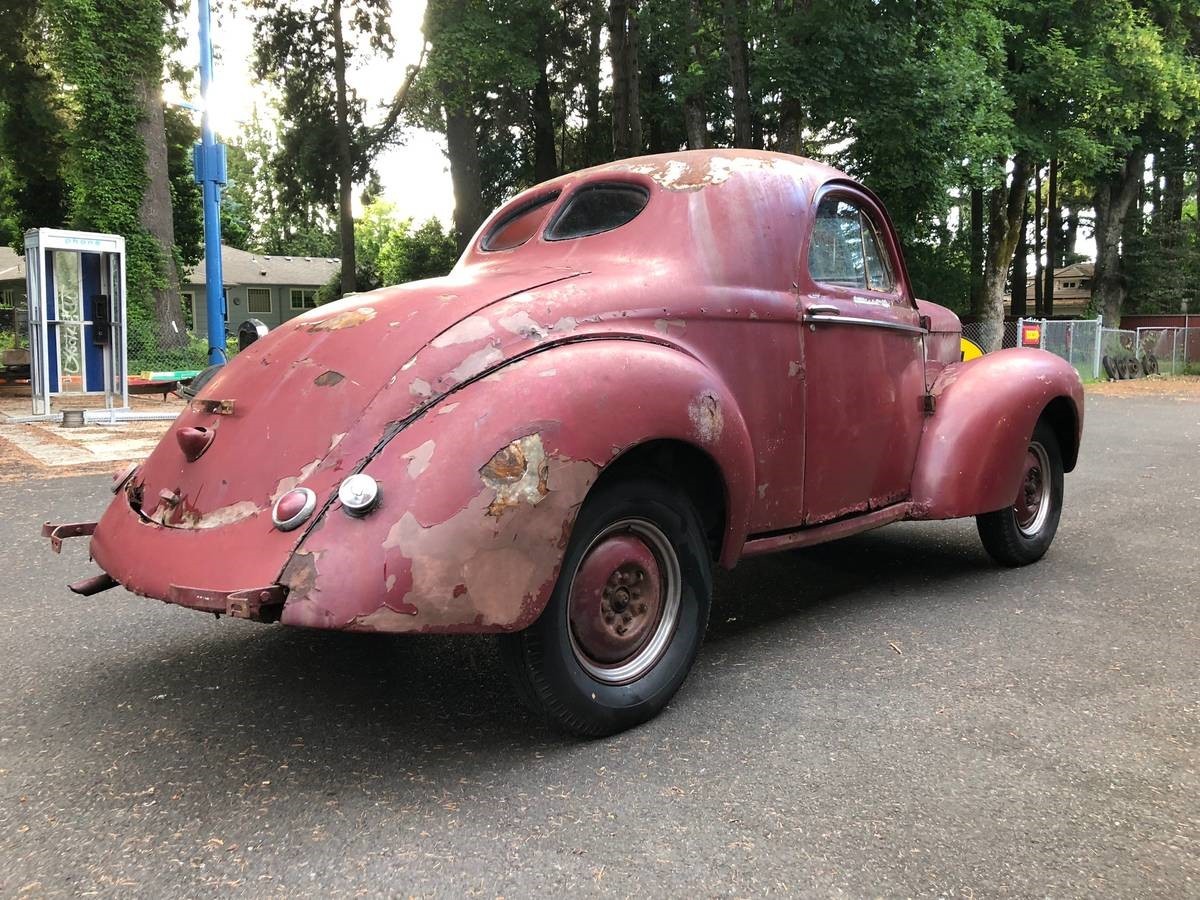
[(640, 609)]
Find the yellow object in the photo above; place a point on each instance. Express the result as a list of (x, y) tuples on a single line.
[(970, 349)]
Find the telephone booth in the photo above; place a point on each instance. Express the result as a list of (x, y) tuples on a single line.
[(76, 295)]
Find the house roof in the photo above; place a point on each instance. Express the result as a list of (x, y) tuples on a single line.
[(239, 267), (1081, 270), (12, 266)]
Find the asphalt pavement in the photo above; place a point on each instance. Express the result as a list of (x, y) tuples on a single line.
[(890, 715)]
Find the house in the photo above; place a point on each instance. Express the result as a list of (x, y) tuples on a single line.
[(12, 290), (271, 289), (1072, 290)]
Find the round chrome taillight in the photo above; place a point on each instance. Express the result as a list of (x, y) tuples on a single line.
[(293, 508), (359, 494)]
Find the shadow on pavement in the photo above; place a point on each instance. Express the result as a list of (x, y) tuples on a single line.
[(241, 699)]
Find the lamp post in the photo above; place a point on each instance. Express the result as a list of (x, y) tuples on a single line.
[(208, 159)]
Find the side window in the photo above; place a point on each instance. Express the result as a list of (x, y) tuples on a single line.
[(846, 249), (518, 227)]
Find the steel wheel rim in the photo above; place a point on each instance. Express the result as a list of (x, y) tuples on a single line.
[(648, 651), (1034, 497)]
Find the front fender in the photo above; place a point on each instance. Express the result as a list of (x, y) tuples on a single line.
[(973, 446), (479, 494)]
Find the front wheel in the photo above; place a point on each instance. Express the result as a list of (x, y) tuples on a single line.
[(627, 616), (1022, 533)]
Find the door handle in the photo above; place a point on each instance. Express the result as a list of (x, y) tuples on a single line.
[(822, 309)]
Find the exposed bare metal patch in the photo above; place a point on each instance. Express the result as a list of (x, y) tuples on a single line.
[(664, 326), (762, 491), (420, 388), (523, 324), (335, 440), (476, 363), (794, 369), (328, 379), (479, 570), (705, 413), (345, 319), (293, 481), (547, 373), (517, 474), (225, 515), (472, 328), (300, 575), (448, 408), (566, 323), (418, 459)]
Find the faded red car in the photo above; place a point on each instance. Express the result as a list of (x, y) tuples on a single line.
[(633, 372)]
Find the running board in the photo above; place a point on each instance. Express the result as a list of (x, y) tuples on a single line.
[(820, 534)]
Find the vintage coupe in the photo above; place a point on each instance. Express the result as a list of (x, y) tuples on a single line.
[(633, 371)]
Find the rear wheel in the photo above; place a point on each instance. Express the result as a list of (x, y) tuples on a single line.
[(627, 616), (1022, 533)]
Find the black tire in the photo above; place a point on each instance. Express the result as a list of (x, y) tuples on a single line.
[(1133, 369), (1010, 537), (1109, 369), (1150, 364), (547, 663)]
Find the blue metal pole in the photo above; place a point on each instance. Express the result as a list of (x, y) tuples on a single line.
[(209, 162)]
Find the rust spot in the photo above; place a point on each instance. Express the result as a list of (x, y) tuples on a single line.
[(705, 413), (459, 590), (517, 473), (345, 319), (300, 575), (328, 379)]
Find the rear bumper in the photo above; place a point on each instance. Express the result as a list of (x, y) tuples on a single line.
[(236, 565)]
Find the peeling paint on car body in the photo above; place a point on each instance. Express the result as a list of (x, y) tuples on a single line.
[(487, 403)]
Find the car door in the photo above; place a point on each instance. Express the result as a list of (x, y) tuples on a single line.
[(864, 366)]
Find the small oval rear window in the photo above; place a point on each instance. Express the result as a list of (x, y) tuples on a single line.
[(597, 208), (518, 227)]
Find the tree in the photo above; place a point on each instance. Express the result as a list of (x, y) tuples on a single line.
[(111, 53), (626, 92), (33, 130), (392, 251), (305, 49)]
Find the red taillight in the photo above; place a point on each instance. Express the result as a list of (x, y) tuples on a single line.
[(1031, 336), (293, 509)]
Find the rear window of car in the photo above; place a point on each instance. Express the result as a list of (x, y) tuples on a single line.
[(520, 225), (596, 208)]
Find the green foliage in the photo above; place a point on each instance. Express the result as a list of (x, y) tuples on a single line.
[(33, 129), (252, 205), (186, 195), (295, 51), (107, 51), (1163, 268), (390, 250)]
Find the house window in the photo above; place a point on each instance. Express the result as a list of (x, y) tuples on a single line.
[(304, 298), (1068, 284), (7, 298), (258, 300)]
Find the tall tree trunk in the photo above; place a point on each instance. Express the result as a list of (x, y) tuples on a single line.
[(345, 159), (1020, 269), (545, 162), (1039, 307), (1053, 229), (734, 15), (1114, 197), (156, 214), (462, 146), (623, 53), (1174, 155), (793, 115), (1071, 236), (595, 146), (695, 119), (1006, 211), (976, 252)]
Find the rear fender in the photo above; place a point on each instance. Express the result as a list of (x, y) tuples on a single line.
[(479, 494), (973, 446)]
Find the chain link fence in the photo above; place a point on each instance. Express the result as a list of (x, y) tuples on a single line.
[(973, 331), (1168, 351), (1078, 341)]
